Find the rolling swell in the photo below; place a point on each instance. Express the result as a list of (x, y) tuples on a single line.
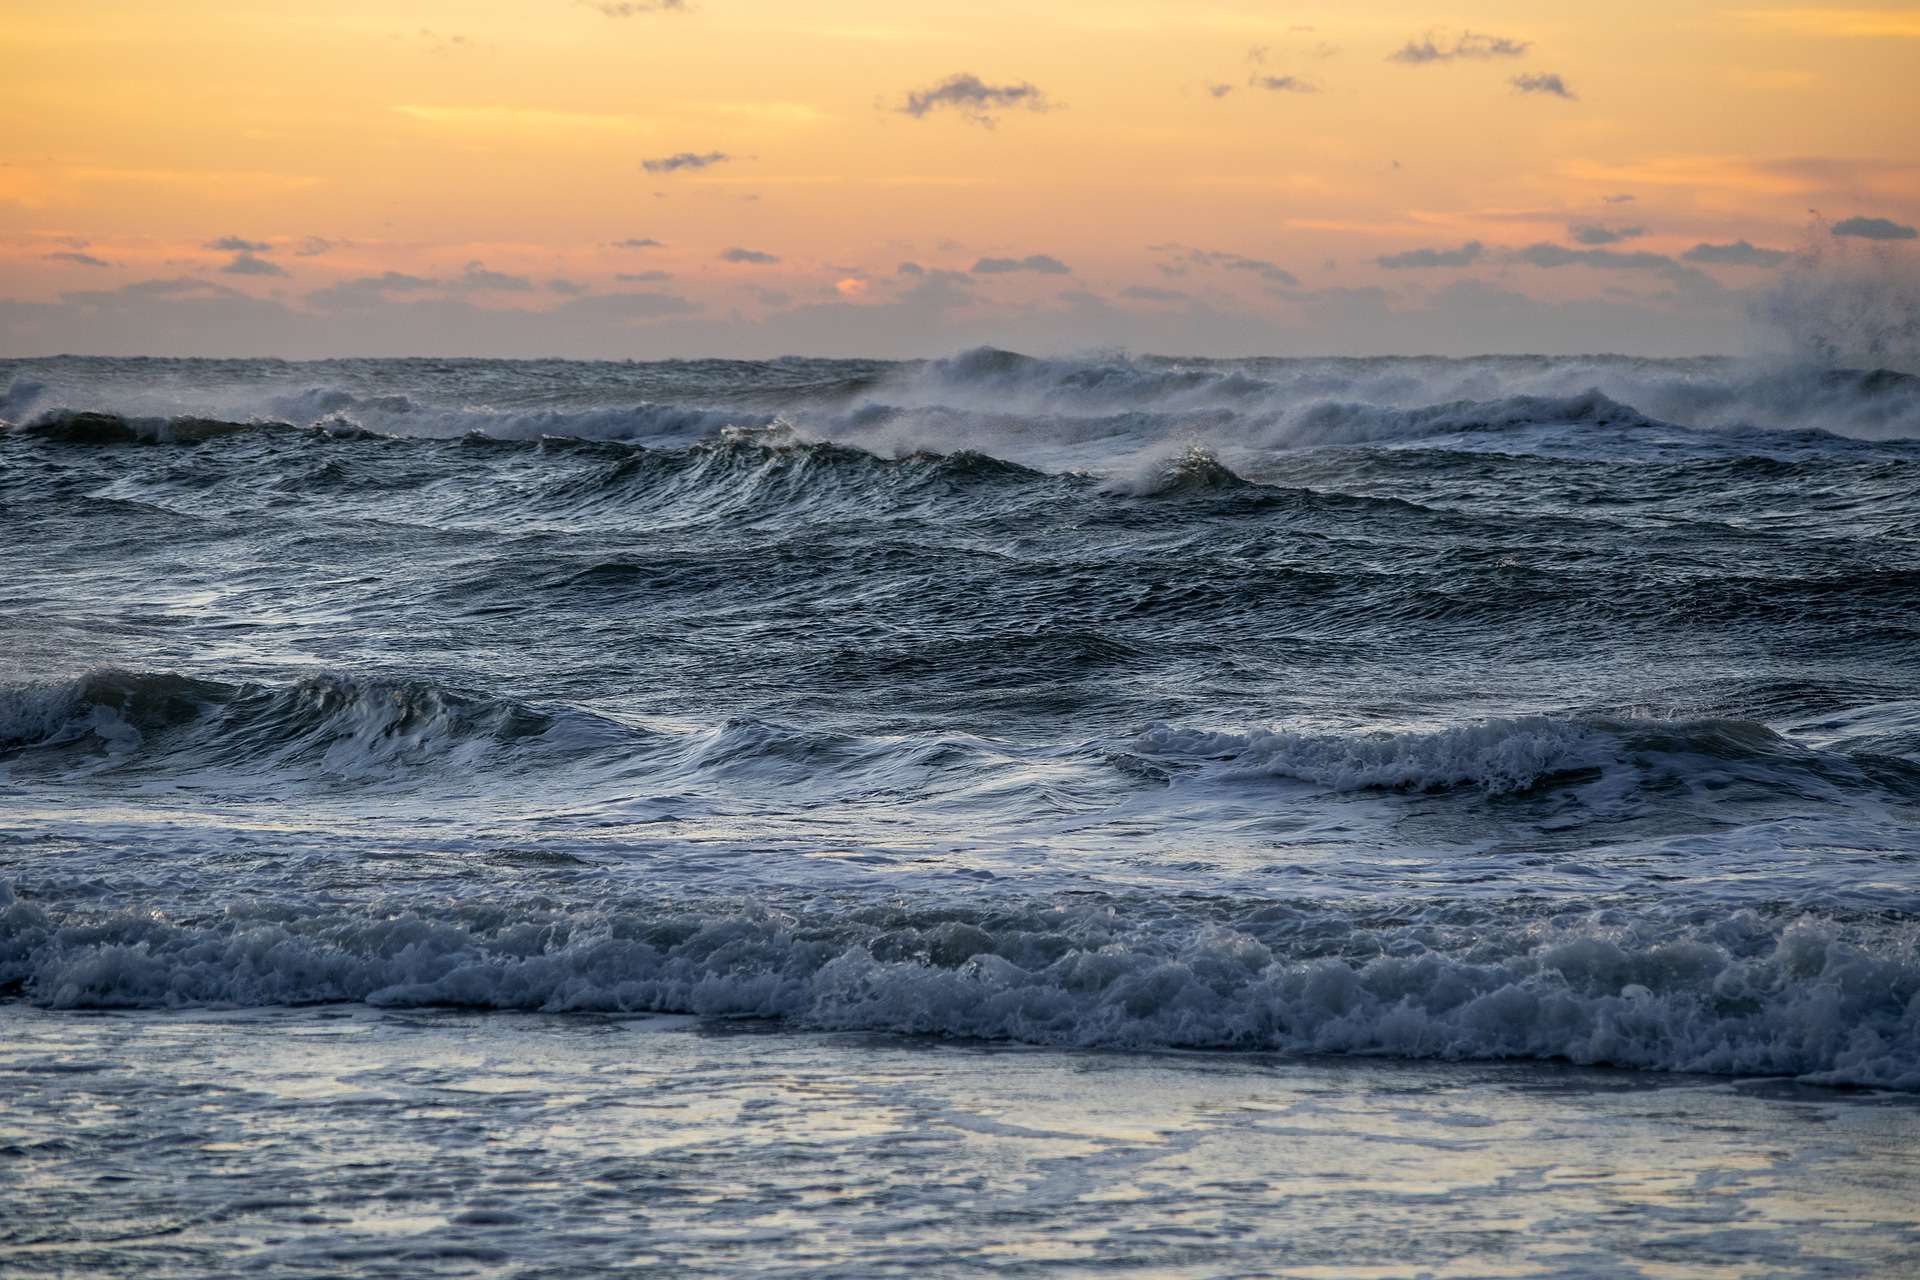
[(328, 726), (399, 734), (1514, 756), (1741, 994), (406, 735)]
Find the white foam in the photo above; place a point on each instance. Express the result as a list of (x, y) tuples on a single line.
[(1740, 995)]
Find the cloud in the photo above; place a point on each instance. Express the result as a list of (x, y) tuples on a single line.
[(367, 291), (1545, 82), (442, 45), (153, 290), (910, 269), (643, 277), (1554, 255), (313, 247), (752, 256), (1874, 229), (1283, 84), (621, 308), (570, 288), (1468, 44), (1146, 293), (1418, 259), (1044, 264), (78, 259), (245, 264), (974, 99), (693, 161), (234, 244), (476, 276), (1622, 198), (1591, 234), (1219, 90), (1272, 272), (637, 242), (1737, 254), (933, 314), (634, 8)]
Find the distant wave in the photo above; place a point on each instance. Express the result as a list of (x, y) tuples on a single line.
[(1103, 413), (1730, 994), (342, 413), (328, 725), (1717, 393), (1516, 755)]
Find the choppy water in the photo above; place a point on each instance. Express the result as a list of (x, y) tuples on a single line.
[(1507, 708)]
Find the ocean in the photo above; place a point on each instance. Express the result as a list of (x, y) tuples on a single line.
[(1107, 815)]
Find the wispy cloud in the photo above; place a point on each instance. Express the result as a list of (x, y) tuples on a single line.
[(692, 161), (974, 99), (1272, 272), (1737, 254), (1874, 229), (565, 287), (753, 257), (1474, 45), (477, 277), (1548, 82), (77, 259), (149, 290), (1146, 293), (1594, 234), (441, 46), (1421, 259), (634, 8), (246, 264), (235, 244), (1219, 90), (1555, 255), (643, 277), (313, 247), (1282, 84), (624, 308), (1622, 198), (367, 291), (637, 242), (1042, 263)]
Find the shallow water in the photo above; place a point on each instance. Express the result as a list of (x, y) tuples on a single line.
[(421, 1143)]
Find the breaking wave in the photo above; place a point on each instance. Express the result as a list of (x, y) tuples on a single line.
[(1512, 756), (1735, 994)]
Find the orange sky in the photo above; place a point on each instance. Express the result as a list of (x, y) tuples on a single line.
[(1132, 170)]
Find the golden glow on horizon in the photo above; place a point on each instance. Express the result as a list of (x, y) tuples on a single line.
[(423, 136)]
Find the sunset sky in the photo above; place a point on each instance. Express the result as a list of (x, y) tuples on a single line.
[(751, 177)]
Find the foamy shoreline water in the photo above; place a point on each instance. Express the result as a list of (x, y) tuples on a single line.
[(313, 1141)]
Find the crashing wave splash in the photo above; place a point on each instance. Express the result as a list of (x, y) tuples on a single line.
[(1737, 995)]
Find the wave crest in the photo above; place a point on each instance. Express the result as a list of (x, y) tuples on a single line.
[(1498, 757), (1736, 995)]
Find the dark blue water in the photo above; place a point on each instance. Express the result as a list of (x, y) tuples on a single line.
[(1506, 708)]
